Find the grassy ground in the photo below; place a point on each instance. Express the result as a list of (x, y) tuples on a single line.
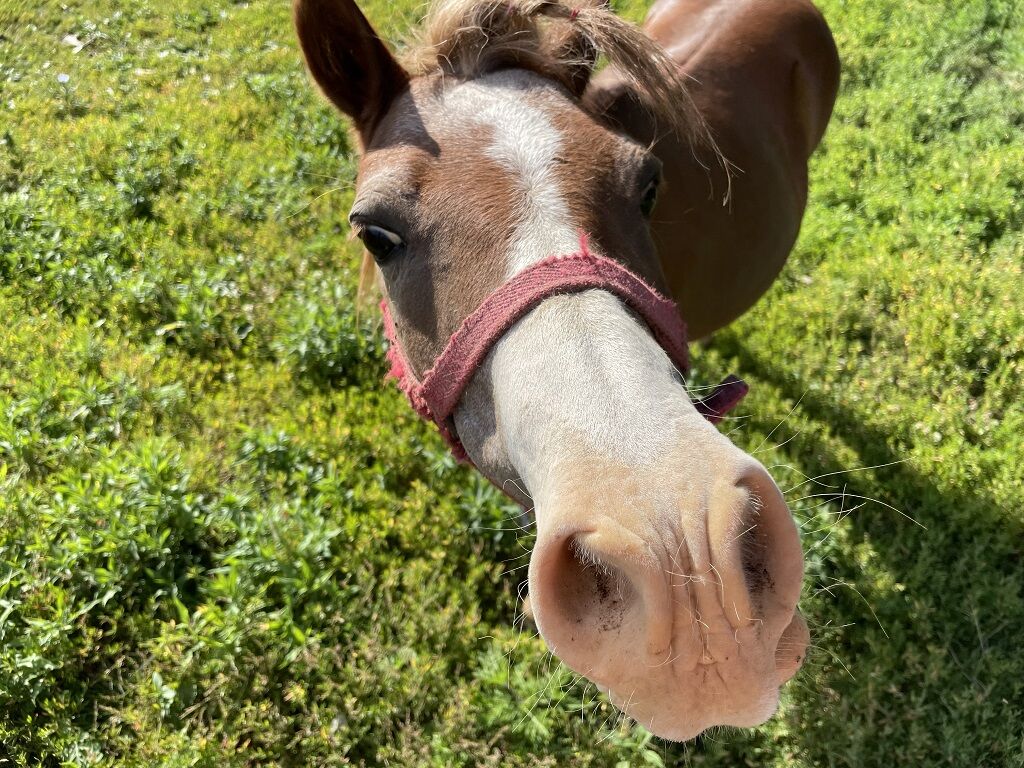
[(224, 543)]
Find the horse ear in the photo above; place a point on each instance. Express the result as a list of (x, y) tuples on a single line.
[(348, 60)]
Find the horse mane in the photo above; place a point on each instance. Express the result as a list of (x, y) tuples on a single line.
[(469, 38)]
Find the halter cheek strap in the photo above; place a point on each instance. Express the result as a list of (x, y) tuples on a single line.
[(436, 395)]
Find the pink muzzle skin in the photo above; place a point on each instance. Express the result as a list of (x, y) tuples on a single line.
[(435, 396)]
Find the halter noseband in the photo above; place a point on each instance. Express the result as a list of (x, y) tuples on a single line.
[(435, 396)]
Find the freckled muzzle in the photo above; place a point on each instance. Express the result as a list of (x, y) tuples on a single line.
[(679, 603), (436, 395)]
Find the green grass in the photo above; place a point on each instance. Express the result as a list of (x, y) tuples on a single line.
[(223, 542)]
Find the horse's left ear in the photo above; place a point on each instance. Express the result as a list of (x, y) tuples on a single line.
[(349, 61)]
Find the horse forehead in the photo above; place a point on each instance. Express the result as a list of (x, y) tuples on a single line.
[(514, 117), (524, 121), (520, 113), (510, 143), (511, 101), (439, 115)]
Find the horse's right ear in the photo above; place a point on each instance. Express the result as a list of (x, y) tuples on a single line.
[(349, 61)]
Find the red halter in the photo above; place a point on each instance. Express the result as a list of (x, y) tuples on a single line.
[(436, 395)]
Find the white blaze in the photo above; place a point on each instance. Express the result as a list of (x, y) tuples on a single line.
[(527, 144)]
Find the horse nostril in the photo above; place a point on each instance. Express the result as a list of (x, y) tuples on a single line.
[(758, 551), (593, 594), (769, 551), (755, 555), (599, 598)]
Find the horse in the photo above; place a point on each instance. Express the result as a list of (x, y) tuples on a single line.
[(539, 226)]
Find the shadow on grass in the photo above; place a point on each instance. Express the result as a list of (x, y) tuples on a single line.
[(935, 650), (976, 515)]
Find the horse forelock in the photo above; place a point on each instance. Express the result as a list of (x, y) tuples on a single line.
[(470, 38)]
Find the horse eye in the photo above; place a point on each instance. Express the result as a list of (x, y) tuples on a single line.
[(649, 199), (381, 243)]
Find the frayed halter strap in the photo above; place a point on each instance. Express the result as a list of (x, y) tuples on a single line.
[(436, 395)]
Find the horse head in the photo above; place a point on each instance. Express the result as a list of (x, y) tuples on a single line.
[(667, 566)]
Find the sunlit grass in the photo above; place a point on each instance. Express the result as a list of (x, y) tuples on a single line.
[(223, 541)]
